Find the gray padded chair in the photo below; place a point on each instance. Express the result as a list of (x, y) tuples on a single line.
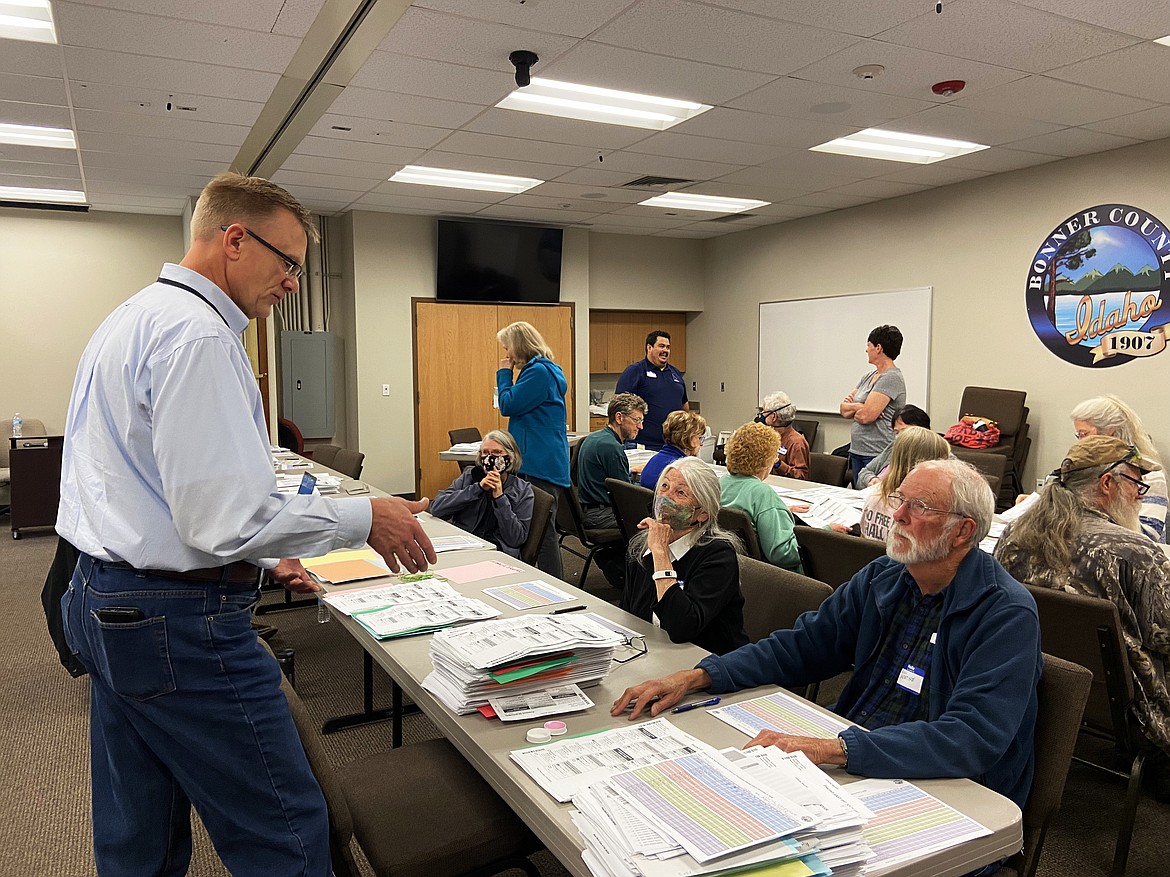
[(349, 462), (418, 809), (740, 523), (324, 455), (631, 503), (827, 469), (833, 558)]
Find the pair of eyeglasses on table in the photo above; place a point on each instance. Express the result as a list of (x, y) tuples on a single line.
[(635, 647)]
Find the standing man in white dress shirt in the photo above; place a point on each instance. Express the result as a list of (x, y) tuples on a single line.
[(168, 492)]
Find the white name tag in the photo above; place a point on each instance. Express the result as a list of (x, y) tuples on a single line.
[(934, 638), (651, 374), (911, 679), (783, 452)]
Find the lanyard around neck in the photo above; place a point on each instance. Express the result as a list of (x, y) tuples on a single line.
[(197, 294)]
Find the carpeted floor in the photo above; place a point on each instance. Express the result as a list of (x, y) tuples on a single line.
[(44, 773)]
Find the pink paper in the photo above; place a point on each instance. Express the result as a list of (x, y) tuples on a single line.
[(476, 572)]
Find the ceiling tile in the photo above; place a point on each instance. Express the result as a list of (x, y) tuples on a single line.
[(577, 192), (760, 128), (1074, 141), (593, 63), (831, 200), (424, 33), (546, 202), (636, 164), (960, 123), (833, 169), (938, 174), (999, 159), (227, 46), (253, 15), (696, 232), (1148, 125), (161, 163), (863, 19), (554, 16), (403, 74), (397, 199), (707, 148), (377, 132), (34, 114), (296, 16), (33, 89), (30, 59), (487, 164), (682, 29), (65, 167), (909, 72), (131, 144), (785, 182), (1142, 71), (533, 126), (1050, 100), (470, 143), (409, 190), (167, 128), (169, 204), (800, 99), (316, 164), (768, 187), (130, 99), (365, 103), (180, 77), (54, 181), (326, 182), (314, 151), (1007, 35), (878, 189), (535, 214), (1149, 19), (592, 176)]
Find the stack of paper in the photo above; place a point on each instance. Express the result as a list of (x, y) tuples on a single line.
[(516, 656), (409, 607), (465, 448), (703, 813)]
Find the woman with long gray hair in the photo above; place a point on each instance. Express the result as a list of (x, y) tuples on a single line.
[(682, 572)]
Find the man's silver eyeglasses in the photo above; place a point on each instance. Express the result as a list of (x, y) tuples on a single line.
[(292, 267), (916, 507), (636, 648)]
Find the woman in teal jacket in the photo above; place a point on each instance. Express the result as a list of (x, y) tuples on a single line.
[(534, 403)]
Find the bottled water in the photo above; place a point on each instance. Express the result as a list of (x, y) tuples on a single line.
[(17, 426), (322, 612)]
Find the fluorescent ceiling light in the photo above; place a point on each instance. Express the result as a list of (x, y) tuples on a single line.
[(437, 176), (42, 196), (30, 20), (591, 104), (897, 146), (34, 135), (711, 203), (1165, 41)]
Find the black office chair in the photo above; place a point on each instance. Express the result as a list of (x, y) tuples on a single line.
[(1087, 631), (570, 521), (808, 429), (740, 523), (542, 502), (466, 434), (631, 503)]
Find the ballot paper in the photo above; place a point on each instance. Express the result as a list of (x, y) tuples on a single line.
[(406, 608), (457, 543), (783, 712), (547, 702), (564, 767), (529, 595), (359, 600)]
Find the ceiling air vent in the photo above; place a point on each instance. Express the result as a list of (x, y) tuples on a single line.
[(731, 217), (652, 182)]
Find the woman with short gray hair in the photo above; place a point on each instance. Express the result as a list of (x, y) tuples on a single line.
[(683, 572)]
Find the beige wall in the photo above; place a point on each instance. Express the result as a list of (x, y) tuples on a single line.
[(393, 261), (636, 272), (973, 242), (60, 275)]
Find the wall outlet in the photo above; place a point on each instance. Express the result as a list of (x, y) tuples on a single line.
[(385, 389), (1040, 484), (694, 386), (722, 387)]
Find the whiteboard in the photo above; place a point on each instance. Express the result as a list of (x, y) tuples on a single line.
[(814, 348)]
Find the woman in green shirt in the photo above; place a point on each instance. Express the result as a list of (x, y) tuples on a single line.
[(751, 452)]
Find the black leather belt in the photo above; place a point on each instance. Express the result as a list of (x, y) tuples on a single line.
[(589, 506), (239, 573)]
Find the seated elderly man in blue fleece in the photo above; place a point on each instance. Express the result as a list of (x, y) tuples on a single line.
[(943, 643)]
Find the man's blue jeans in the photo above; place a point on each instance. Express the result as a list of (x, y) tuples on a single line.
[(186, 708)]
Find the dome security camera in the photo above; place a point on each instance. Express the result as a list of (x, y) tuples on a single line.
[(523, 60)]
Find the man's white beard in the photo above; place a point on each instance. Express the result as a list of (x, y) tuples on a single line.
[(918, 551), (1125, 513)]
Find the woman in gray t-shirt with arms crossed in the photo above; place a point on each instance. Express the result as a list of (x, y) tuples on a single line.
[(872, 403)]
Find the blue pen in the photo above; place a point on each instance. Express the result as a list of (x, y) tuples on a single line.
[(686, 707)]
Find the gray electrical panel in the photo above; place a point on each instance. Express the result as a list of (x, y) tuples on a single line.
[(308, 369)]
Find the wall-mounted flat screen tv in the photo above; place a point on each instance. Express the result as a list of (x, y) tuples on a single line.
[(497, 261)]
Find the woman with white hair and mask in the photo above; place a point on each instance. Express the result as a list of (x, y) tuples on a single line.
[(487, 500), (778, 412), (682, 572)]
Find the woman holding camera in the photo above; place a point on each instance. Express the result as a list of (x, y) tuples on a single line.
[(487, 500)]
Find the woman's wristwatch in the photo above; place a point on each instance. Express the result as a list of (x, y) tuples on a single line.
[(664, 574)]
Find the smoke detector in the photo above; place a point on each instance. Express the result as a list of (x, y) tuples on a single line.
[(948, 87), (868, 72)]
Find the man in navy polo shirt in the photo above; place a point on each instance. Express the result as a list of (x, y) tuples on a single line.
[(659, 383)]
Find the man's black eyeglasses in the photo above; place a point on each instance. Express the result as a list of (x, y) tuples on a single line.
[(1134, 454), (637, 647), (293, 268)]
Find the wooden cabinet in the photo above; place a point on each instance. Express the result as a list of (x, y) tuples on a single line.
[(597, 421), (618, 338), (456, 356)]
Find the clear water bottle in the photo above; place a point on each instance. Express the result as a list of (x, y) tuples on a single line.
[(322, 612), (17, 426)]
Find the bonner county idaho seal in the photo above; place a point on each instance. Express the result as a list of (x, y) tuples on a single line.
[(1097, 286)]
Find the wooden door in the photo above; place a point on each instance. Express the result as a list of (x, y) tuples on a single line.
[(556, 325), (456, 356)]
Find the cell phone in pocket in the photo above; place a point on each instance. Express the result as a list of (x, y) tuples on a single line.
[(118, 615), (308, 482)]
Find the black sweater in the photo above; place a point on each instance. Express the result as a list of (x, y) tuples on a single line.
[(705, 605)]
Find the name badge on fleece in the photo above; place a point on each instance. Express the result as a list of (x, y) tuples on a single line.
[(650, 374), (911, 679)]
